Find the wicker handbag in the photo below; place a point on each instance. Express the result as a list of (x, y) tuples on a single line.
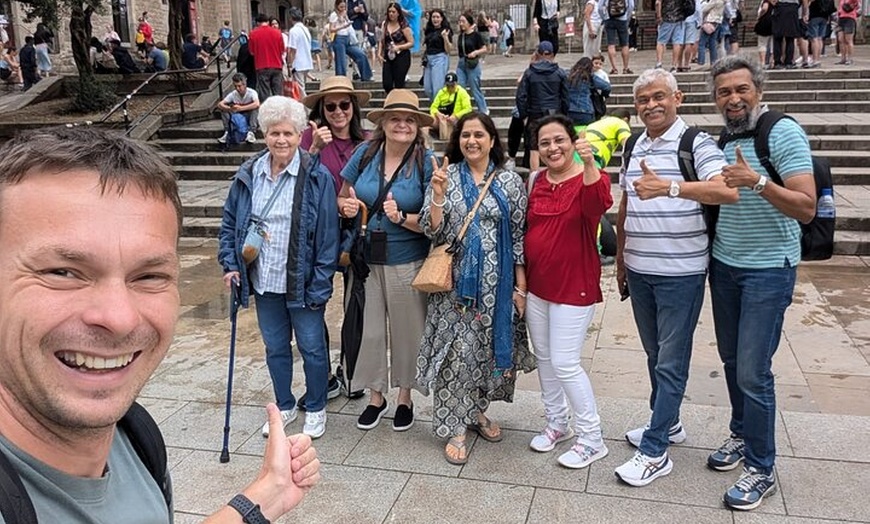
[(436, 275)]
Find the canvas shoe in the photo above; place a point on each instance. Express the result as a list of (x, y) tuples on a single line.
[(676, 435), (223, 138), (315, 423), (372, 416), (288, 415), (581, 455), (404, 418), (641, 469), (728, 456), (750, 489), (250, 137), (333, 390), (546, 440)]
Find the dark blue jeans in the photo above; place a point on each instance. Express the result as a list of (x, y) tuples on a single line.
[(277, 322), (666, 311), (748, 310)]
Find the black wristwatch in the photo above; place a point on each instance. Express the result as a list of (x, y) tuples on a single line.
[(402, 218), (250, 512)]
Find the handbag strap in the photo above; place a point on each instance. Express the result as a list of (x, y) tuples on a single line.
[(274, 196), (470, 216)]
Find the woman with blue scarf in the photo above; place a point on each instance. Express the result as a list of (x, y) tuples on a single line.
[(475, 341)]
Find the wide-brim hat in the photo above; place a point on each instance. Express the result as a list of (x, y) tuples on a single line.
[(402, 101), (337, 85)]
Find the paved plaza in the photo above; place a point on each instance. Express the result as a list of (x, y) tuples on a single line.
[(822, 372)]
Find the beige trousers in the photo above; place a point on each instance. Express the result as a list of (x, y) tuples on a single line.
[(394, 312)]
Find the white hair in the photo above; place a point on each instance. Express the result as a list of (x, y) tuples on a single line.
[(651, 76), (280, 110)]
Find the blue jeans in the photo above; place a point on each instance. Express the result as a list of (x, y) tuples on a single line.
[(277, 322), (470, 79), (433, 80), (710, 42), (748, 310), (342, 49), (666, 311)]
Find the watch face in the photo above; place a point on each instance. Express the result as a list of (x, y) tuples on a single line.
[(675, 189)]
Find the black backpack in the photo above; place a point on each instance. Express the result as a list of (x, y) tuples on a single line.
[(616, 8), (817, 237), (764, 24), (16, 506), (686, 152), (687, 7)]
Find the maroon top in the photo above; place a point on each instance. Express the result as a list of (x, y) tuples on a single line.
[(561, 246), (334, 156)]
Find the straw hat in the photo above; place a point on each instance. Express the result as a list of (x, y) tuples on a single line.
[(336, 85), (402, 101)]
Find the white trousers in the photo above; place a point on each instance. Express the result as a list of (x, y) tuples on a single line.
[(558, 332)]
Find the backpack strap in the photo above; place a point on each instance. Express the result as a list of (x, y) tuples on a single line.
[(146, 439), (761, 136), (686, 154), (628, 147), (15, 505)]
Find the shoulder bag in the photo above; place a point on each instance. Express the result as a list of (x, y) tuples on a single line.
[(436, 275)]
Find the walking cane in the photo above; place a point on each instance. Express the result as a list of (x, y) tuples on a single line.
[(235, 301)]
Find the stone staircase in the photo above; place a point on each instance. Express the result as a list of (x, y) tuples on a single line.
[(832, 106)]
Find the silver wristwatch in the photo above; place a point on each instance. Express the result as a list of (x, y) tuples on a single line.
[(759, 186), (674, 190)]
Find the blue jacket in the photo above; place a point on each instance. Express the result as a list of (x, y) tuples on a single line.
[(579, 100), (313, 254)]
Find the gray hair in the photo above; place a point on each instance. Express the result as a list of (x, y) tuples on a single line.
[(732, 63), (651, 76), (119, 161), (279, 110)]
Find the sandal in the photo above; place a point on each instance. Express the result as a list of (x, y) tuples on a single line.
[(627, 71), (614, 71), (487, 430), (459, 445)]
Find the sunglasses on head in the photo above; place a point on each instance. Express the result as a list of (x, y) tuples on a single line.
[(330, 107)]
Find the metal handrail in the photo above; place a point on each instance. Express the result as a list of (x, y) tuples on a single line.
[(122, 105)]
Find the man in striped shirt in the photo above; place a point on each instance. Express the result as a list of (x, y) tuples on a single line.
[(752, 272), (662, 259)]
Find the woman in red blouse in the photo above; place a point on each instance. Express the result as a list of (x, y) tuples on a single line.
[(566, 202)]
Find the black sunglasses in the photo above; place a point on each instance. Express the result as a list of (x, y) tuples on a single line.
[(344, 105)]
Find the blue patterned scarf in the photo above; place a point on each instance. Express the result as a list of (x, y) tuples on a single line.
[(471, 272)]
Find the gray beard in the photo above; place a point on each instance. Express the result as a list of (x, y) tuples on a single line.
[(745, 123)]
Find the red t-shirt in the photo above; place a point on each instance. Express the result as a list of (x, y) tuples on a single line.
[(561, 246), (267, 47)]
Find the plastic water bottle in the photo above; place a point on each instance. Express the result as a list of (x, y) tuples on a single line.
[(826, 207)]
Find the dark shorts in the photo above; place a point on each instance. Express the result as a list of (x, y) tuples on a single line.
[(617, 32), (509, 41), (493, 40), (847, 25)]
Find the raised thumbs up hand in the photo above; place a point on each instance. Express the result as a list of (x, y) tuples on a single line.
[(391, 209), (349, 205), (584, 149), (320, 136), (650, 185), (740, 173)]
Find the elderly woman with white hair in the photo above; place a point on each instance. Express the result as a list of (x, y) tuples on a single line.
[(279, 241)]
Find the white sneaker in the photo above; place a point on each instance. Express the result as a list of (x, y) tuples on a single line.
[(581, 455), (676, 435), (315, 423), (223, 138), (547, 439), (251, 137), (640, 470), (288, 416)]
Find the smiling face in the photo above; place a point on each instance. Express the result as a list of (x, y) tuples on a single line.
[(338, 111), (87, 304), (737, 99), (555, 147), (436, 19), (400, 127), (463, 24), (475, 142), (282, 139), (657, 105)]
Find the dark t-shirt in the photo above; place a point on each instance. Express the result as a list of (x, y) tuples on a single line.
[(189, 55), (468, 43), (672, 11), (434, 42)]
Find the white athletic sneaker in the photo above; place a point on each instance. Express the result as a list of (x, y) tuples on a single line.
[(546, 440), (251, 137), (676, 435), (315, 423), (288, 416), (640, 470), (581, 455), (223, 138)]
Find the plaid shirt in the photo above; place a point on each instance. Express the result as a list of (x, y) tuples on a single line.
[(269, 274)]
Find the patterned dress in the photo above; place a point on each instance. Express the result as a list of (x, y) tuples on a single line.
[(456, 356)]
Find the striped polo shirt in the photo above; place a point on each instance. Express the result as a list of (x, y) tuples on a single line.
[(753, 234), (667, 236)]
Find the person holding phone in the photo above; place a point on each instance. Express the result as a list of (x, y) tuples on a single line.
[(388, 174)]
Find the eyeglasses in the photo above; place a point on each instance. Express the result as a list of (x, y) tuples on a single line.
[(330, 107)]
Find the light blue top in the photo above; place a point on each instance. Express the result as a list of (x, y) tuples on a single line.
[(752, 233)]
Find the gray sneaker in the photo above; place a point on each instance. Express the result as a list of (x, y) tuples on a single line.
[(750, 489), (728, 456)]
